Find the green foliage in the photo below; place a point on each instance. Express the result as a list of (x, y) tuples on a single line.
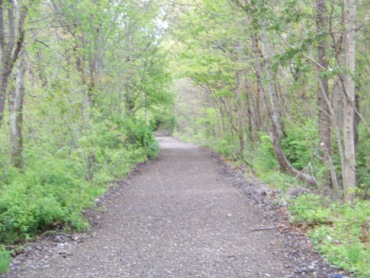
[(310, 209), (111, 147), (5, 258), (44, 197), (55, 187), (228, 146), (341, 232), (363, 163), (277, 180), (263, 159), (215, 47), (266, 166), (141, 135), (298, 143), (89, 98)]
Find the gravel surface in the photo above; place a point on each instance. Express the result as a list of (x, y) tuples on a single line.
[(183, 215)]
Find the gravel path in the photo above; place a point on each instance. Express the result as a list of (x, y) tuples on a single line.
[(179, 217)]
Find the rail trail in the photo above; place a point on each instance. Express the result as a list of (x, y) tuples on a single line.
[(178, 217)]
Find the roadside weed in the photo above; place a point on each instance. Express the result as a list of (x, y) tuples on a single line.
[(5, 259), (341, 232)]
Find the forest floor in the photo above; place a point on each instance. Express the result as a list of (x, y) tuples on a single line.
[(186, 214)]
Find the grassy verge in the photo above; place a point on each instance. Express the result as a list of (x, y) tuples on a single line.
[(341, 232)]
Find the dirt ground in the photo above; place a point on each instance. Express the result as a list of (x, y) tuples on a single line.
[(182, 215)]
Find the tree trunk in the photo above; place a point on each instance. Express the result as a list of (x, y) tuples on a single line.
[(323, 88), (276, 131), (223, 121), (256, 111), (337, 100), (338, 89), (3, 89), (239, 105), (349, 171), (11, 47), (357, 120), (250, 117), (16, 115), (258, 69), (328, 159), (254, 120), (275, 109)]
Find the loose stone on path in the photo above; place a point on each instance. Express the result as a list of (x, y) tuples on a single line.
[(179, 217)]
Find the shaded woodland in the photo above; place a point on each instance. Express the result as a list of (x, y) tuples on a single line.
[(82, 83), (286, 78)]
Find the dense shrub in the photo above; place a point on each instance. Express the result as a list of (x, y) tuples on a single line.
[(49, 193), (56, 184), (141, 136), (340, 231), (299, 142), (228, 146), (5, 258), (263, 159), (363, 163)]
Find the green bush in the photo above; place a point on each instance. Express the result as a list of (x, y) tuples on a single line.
[(363, 162), (46, 195), (298, 143), (57, 184), (141, 135), (5, 258), (341, 231), (228, 146), (311, 209), (263, 160), (278, 180)]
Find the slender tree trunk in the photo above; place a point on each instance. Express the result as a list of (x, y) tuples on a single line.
[(357, 120), (3, 62), (323, 88), (239, 105), (257, 110), (11, 47), (254, 119), (3, 89), (323, 94), (241, 135), (258, 69), (349, 173), (328, 159), (276, 131), (250, 117), (337, 100), (217, 131), (16, 115), (222, 121), (338, 89), (275, 108)]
